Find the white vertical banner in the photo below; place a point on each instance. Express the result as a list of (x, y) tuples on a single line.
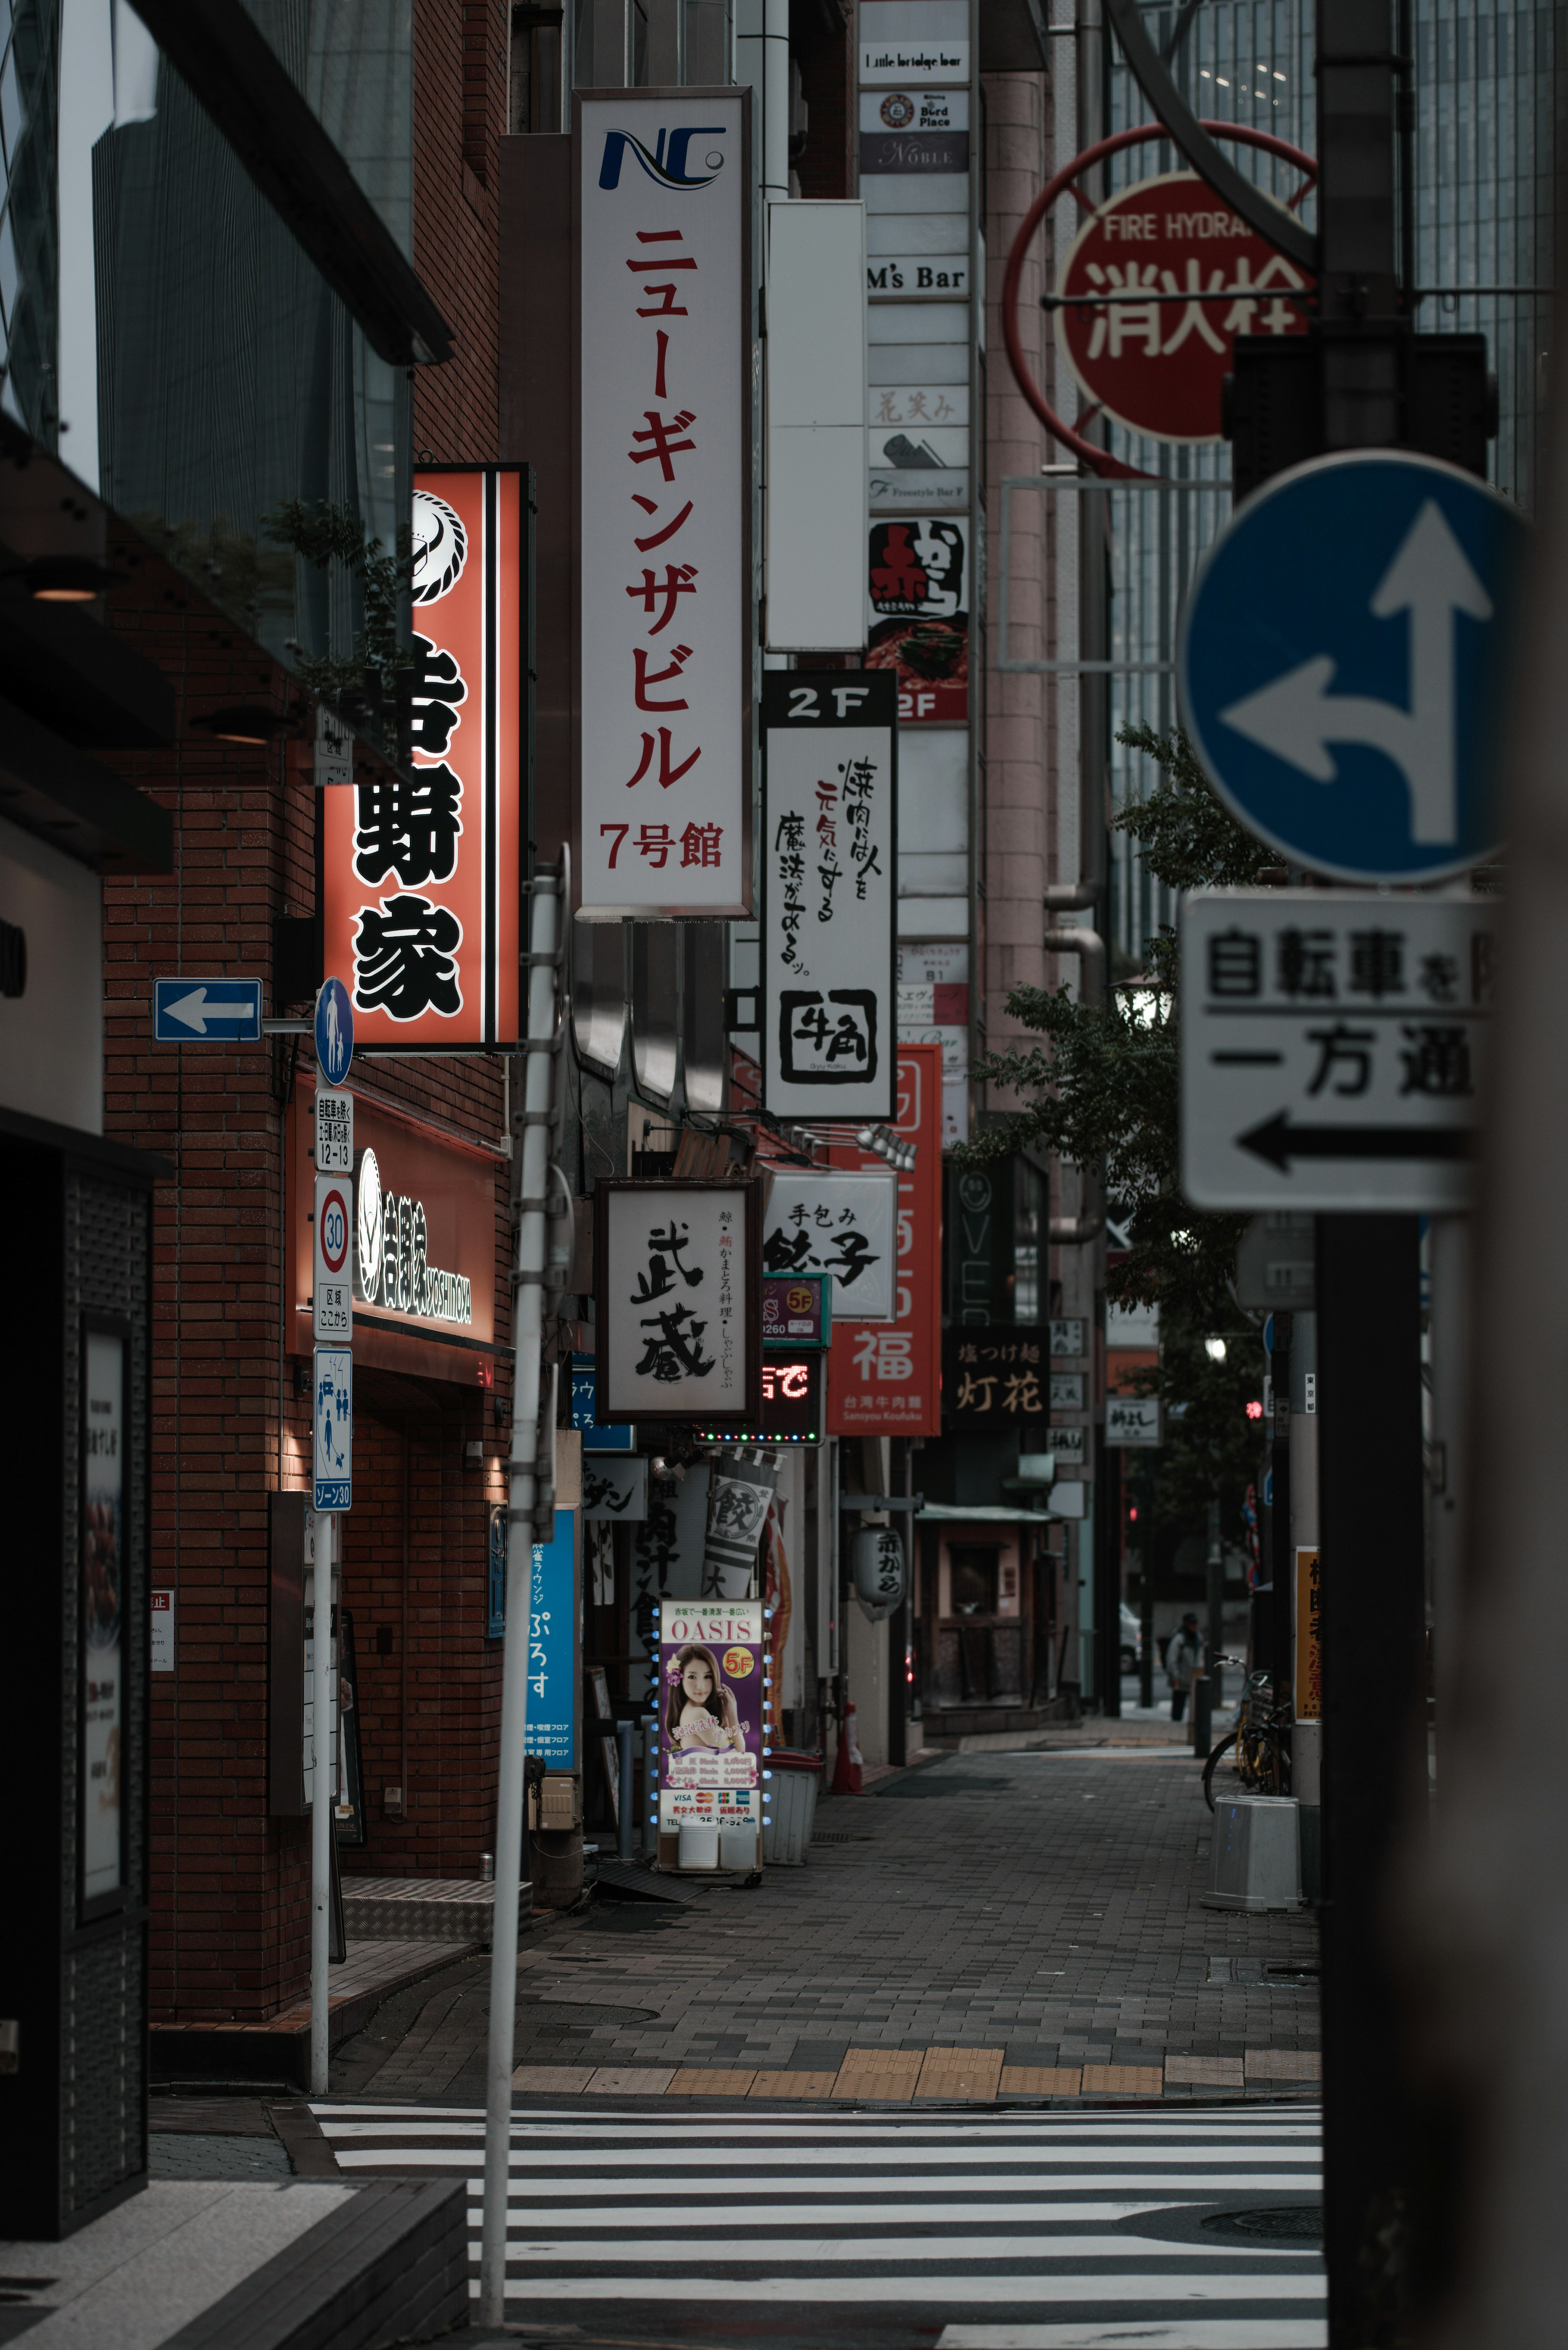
[(666, 604), (830, 892)]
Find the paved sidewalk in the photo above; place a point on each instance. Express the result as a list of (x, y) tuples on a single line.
[(1039, 1906)]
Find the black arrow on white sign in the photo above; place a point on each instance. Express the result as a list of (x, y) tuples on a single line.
[(1279, 1142)]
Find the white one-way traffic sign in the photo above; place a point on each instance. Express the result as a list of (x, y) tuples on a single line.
[(1332, 1048), (206, 1011)]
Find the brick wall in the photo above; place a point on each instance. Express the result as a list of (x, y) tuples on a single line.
[(230, 1885), (460, 112)]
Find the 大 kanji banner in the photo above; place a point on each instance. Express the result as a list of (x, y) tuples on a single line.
[(421, 875), (883, 1377), (665, 599)]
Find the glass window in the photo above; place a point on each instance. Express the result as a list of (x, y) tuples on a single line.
[(972, 1572)]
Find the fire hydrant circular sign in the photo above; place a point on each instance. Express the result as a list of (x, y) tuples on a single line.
[(1158, 366)]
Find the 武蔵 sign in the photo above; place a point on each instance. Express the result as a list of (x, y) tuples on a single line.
[(665, 598), (677, 1286)]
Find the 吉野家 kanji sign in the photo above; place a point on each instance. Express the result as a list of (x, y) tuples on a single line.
[(1332, 1048), (883, 1377), (678, 1300), (1155, 363), (665, 599), (829, 894), (421, 871)]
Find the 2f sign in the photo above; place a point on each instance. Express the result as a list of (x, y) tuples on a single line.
[(334, 1285)]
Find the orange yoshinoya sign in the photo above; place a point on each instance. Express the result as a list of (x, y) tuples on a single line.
[(421, 874)]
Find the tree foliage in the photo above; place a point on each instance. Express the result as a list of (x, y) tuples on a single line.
[(1101, 1090), (326, 533)]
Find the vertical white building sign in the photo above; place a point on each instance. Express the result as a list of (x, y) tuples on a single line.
[(665, 593)]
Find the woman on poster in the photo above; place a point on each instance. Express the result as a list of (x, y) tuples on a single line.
[(701, 1714)]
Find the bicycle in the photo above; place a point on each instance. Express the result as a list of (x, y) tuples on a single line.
[(1261, 1740)]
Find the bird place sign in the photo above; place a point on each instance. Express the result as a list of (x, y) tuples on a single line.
[(420, 872), (678, 1297), (665, 602)]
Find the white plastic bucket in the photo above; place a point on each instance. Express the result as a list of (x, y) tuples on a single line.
[(699, 1846)]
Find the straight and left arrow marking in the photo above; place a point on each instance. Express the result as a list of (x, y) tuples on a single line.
[(1278, 1142), (195, 1012)]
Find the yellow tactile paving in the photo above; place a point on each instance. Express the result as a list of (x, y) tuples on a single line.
[(1122, 2081), (1041, 2081), (631, 2081), (971, 2073), (889, 2074), (708, 2081), (791, 2085)]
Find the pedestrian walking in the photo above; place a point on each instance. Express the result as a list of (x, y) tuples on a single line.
[(1183, 1655)]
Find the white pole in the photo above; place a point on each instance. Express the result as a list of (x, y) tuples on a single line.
[(544, 929), (321, 1806)]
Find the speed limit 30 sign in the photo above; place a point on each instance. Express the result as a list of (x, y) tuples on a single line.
[(334, 1287)]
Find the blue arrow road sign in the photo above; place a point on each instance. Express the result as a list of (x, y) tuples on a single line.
[(334, 1031), (206, 1011), (1343, 660)]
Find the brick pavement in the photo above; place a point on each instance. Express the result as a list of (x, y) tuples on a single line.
[(1040, 1907)]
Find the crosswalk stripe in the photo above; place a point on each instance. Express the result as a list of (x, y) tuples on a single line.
[(966, 2288), (1041, 2213)]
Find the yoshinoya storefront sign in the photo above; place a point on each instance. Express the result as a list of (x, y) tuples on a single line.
[(424, 1243), (665, 301)]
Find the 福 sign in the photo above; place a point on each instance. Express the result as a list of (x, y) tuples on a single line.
[(422, 872), (1157, 365), (678, 1285), (883, 1377), (665, 599), (829, 893)]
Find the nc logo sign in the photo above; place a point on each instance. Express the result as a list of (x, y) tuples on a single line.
[(665, 161)]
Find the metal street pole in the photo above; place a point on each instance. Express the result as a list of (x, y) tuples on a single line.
[(321, 1804), (530, 1437), (1282, 1557), (1214, 1596)]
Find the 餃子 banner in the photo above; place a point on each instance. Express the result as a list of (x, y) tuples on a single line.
[(829, 893), (420, 872), (710, 1706), (678, 1286), (883, 1377), (665, 601)]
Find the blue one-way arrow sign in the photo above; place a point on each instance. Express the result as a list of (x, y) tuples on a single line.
[(206, 1011), (1343, 659)]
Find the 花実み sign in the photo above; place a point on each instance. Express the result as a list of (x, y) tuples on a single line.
[(829, 894), (677, 1287), (665, 417), (1332, 1048), (1155, 364)]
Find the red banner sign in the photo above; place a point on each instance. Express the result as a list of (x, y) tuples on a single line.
[(421, 876), (883, 1377), (1147, 357)]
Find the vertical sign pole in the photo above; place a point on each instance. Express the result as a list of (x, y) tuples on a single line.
[(321, 1800), (1283, 1561), (550, 914)]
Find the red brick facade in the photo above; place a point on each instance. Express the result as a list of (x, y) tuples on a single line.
[(460, 113)]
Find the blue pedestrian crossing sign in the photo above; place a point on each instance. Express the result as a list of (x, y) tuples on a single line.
[(206, 1011), (1344, 658), (332, 1389), (334, 1031)]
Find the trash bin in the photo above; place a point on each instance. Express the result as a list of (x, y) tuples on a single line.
[(1254, 1861), (796, 1776), (699, 1846)]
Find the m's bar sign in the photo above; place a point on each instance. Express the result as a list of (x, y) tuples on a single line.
[(665, 437), (829, 893), (679, 1301)]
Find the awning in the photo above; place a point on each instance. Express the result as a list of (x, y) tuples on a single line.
[(993, 1514)]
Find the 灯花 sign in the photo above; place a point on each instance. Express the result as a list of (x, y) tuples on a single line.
[(1133, 1419), (1159, 365), (665, 598), (829, 893), (678, 1275), (823, 1220), (421, 870), (994, 1375), (1332, 1048)]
